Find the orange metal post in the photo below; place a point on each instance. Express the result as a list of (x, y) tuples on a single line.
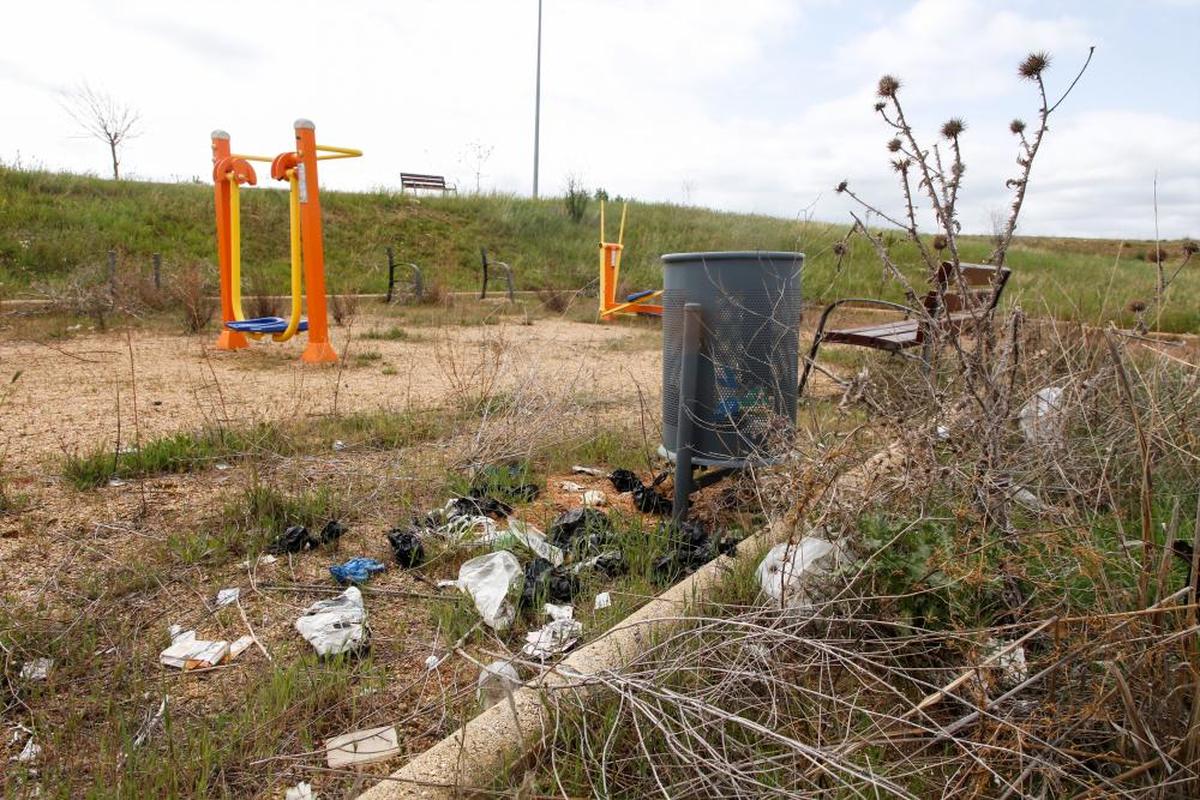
[(227, 340), (610, 257), (319, 350)]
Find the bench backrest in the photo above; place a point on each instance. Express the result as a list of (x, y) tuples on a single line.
[(972, 287), (418, 181)]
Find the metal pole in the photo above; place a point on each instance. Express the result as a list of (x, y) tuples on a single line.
[(537, 103), (112, 268), (391, 273), (689, 363), (156, 261)]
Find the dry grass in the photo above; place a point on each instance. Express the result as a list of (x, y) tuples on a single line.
[(898, 681)]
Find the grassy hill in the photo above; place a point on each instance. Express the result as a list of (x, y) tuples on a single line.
[(52, 225)]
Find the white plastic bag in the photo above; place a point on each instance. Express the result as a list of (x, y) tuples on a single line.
[(495, 681), (535, 540), (787, 570), (488, 579), (337, 625), (1041, 418), (553, 638)]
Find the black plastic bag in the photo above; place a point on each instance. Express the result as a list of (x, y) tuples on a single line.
[(406, 547), (649, 501), (545, 582), (332, 531), (293, 540), (690, 548), (505, 482), (478, 507), (624, 480), (580, 524)]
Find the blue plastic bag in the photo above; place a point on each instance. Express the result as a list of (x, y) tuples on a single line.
[(357, 570)]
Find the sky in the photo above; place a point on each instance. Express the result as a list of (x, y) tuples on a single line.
[(755, 105)]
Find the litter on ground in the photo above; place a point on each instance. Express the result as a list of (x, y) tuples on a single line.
[(603, 600), (545, 582), (788, 570), (336, 625), (228, 596), (535, 540), (572, 486), (691, 547), (37, 669), (595, 472), (407, 547), (553, 638), (488, 579), (301, 791), (186, 652), (495, 682), (357, 570), (594, 497), (1041, 418), (362, 747), (293, 540), (556, 611)]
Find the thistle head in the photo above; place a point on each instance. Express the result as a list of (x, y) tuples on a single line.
[(1136, 306), (953, 128), (841, 187), (894, 145), (888, 86), (1034, 65), (902, 164), (880, 106), (1190, 248), (1017, 126), (940, 243), (839, 248)]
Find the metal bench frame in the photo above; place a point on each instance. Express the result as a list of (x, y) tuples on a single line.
[(961, 296)]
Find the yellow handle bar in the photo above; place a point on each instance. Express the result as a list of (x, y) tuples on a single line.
[(348, 152)]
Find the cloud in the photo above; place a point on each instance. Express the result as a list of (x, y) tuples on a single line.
[(759, 105)]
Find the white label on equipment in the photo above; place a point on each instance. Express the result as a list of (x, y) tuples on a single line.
[(303, 183)]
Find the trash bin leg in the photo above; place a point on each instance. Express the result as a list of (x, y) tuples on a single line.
[(688, 366)]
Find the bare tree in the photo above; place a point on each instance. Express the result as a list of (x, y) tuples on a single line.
[(103, 117), (475, 156)]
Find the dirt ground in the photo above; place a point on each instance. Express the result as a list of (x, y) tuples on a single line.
[(72, 395)]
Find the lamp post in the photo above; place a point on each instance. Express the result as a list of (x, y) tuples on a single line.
[(537, 103)]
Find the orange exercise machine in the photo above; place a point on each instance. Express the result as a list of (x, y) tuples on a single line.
[(299, 168), (610, 274)]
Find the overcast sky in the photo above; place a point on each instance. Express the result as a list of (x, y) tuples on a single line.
[(748, 105)]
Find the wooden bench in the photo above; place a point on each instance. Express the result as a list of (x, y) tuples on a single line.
[(411, 180), (959, 297)]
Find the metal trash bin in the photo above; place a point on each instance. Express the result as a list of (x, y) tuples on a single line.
[(747, 370)]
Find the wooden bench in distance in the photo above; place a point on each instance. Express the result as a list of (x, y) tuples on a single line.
[(960, 295), (411, 180)]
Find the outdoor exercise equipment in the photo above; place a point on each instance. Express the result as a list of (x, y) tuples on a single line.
[(610, 273), (299, 168), (508, 275)]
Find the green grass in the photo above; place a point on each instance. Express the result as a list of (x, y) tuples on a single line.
[(54, 225), (191, 451)]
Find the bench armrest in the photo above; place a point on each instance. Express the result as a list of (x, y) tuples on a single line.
[(870, 301)]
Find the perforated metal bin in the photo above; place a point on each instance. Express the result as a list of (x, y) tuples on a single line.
[(749, 352)]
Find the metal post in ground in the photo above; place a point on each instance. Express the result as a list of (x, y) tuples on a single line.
[(391, 256), (156, 261), (112, 269), (689, 364)]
